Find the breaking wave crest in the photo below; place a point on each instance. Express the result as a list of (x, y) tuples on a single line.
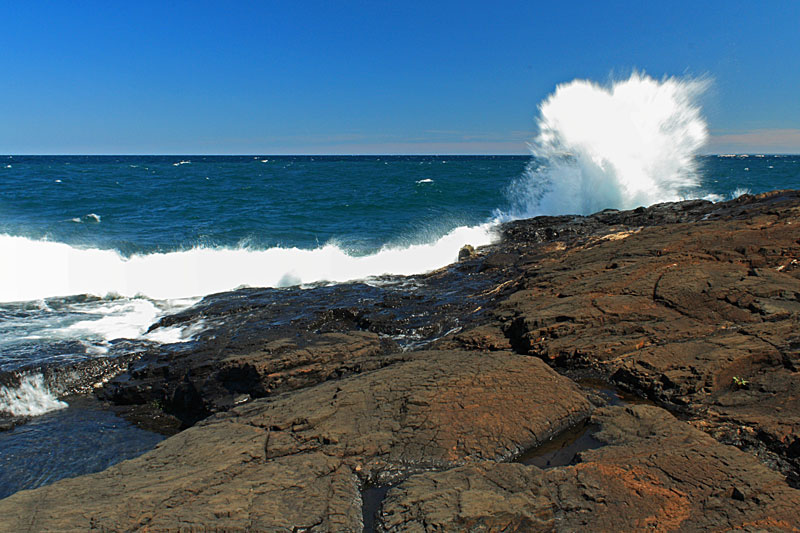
[(43, 269), (620, 146)]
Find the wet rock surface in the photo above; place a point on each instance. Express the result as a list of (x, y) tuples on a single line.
[(297, 400)]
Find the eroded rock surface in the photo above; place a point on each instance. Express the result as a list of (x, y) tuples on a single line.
[(659, 473), (701, 316), (297, 460), (481, 497), (655, 473)]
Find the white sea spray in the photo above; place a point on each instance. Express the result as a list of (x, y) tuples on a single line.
[(620, 146), (30, 398)]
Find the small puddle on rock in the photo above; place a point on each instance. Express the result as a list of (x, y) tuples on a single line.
[(563, 449), (372, 497)]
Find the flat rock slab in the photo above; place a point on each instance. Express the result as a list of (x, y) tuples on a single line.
[(479, 497), (438, 409), (192, 386), (298, 461), (655, 473)]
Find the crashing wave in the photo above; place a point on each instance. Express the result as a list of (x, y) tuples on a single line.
[(33, 269), (628, 144)]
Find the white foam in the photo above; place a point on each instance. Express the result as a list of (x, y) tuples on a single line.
[(174, 334), (426, 180), (127, 319), (31, 269), (628, 144), (91, 217), (31, 398)]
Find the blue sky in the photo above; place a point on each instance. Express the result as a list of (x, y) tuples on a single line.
[(373, 77)]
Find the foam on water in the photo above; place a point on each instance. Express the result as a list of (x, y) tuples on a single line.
[(33, 269), (61, 330), (127, 318), (31, 398), (620, 146)]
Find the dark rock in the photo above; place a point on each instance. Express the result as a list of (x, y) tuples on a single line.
[(467, 252), (659, 473), (683, 314)]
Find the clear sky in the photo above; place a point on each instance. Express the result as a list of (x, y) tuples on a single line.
[(300, 77)]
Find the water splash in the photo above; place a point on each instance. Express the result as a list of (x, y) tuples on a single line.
[(628, 144), (31, 398)]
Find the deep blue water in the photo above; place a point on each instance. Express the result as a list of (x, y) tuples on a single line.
[(155, 203), (113, 227), (77, 440)]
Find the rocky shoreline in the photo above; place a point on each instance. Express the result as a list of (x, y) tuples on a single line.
[(414, 404)]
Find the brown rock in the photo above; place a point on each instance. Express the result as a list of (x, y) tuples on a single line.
[(654, 473), (481, 497), (438, 409), (659, 473), (686, 308), (295, 461), (467, 252)]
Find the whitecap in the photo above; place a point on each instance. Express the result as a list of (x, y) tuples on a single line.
[(426, 180), (91, 217), (173, 334)]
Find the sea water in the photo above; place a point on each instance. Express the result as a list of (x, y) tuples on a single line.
[(95, 249)]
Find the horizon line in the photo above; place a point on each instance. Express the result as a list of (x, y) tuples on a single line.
[(256, 154)]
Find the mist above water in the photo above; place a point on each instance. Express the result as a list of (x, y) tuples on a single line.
[(619, 146)]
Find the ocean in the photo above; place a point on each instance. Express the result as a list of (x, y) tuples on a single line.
[(95, 249)]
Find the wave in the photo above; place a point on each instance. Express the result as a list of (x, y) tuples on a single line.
[(34, 269), (31, 398), (628, 144)]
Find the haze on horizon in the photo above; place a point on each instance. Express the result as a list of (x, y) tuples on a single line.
[(373, 77)]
